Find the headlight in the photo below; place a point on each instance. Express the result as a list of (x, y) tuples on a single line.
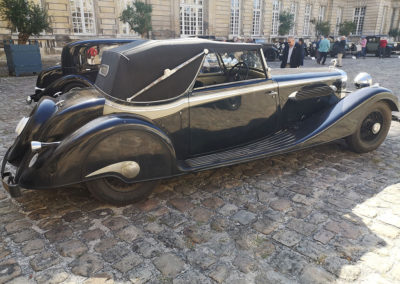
[(395, 45), (21, 125)]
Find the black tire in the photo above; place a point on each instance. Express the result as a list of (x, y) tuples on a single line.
[(115, 191), (367, 137)]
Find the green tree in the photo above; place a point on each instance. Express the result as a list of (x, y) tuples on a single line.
[(322, 28), (347, 27), (394, 33), (24, 17), (138, 17), (286, 22)]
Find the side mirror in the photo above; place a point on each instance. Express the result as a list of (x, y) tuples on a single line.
[(363, 80)]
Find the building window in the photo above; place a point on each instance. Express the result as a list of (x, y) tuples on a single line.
[(256, 17), (339, 15), (82, 16), (293, 11), (307, 19), (276, 6), (191, 17), (359, 15), (235, 17), (321, 14), (383, 23)]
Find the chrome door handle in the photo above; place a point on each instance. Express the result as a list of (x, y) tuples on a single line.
[(272, 93)]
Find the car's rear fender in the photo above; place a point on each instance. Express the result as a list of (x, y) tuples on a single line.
[(59, 85), (89, 152), (48, 75), (342, 119)]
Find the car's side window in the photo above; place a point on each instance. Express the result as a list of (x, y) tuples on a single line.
[(230, 67)]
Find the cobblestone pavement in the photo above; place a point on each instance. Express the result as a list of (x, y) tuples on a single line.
[(317, 216)]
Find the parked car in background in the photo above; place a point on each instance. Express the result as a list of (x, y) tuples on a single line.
[(271, 51), (80, 62), (154, 113), (373, 45)]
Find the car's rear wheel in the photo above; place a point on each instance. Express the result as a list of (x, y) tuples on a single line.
[(372, 129), (115, 191)]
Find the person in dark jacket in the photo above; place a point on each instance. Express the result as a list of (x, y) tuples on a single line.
[(303, 50), (291, 57), (341, 50)]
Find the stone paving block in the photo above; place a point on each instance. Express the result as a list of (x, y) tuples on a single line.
[(115, 253), (169, 264), (17, 226), (51, 276), (142, 274), (60, 233), (280, 204), (265, 226), (9, 269), (316, 275), (172, 220), (219, 273), (301, 227), (72, 248), (245, 264), (115, 223), (193, 277), (390, 219), (33, 247), (213, 203), (201, 259), (244, 217), (148, 205), (289, 263), (92, 235), (228, 209), (201, 214), (87, 265), (105, 245), (182, 204), (44, 260), (287, 237), (24, 235), (4, 252), (128, 262), (129, 234), (323, 236), (385, 230), (314, 250)]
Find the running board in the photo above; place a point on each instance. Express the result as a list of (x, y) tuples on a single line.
[(281, 141)]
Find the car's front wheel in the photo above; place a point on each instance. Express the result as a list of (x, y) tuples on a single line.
[(372, 129), (115, 191)]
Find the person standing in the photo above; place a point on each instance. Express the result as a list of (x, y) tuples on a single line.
[(363, 43), (323, 49), (341, 50), (303, 50), (291, 56), (382, 47)]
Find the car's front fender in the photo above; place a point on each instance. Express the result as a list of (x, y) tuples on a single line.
[(342, 119), (105, 141)]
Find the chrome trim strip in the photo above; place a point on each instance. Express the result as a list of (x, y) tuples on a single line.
[(158, 111), (168, 73), (128, 169), (306, 81), (40, 89), (229, 83)]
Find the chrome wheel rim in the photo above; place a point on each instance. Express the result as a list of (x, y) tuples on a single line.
[(371, 126)]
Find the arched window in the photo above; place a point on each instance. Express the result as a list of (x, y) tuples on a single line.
[(82, 16)]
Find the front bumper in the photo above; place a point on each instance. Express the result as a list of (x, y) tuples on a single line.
[(7, 179)]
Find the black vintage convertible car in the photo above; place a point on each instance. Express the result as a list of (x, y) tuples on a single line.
[(164, 108), (80, 62)]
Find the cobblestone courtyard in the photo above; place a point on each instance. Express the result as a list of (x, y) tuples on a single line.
[(321, 215)]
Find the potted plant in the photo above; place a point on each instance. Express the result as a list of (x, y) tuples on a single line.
[(27, 19)]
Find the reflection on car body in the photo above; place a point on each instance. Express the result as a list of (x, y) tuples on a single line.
[(192, 109)]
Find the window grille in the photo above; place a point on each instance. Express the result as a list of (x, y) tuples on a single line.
[(276, 6), (257, 17), (191, 17), (359, 15), (82, 16), (307, 19), (235, 18)]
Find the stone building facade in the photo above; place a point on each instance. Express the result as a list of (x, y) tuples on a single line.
[(227, 19)]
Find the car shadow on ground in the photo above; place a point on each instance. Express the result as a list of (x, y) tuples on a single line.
[(303, 216)]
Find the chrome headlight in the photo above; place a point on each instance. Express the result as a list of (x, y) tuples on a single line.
[(21, 125), (363, 80)]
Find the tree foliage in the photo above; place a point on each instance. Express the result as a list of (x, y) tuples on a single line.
[(138, 16), (25, 17), (347, 27), (322, 28), (286, 22)]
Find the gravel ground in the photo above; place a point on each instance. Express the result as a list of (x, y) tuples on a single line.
[(321, 215)]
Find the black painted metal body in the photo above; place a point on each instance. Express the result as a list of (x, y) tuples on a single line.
[(201, 129)]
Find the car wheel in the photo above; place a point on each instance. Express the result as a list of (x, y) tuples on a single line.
[(372, 129), (115, 191)]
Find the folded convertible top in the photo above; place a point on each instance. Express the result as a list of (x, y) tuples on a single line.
[(128, 70)]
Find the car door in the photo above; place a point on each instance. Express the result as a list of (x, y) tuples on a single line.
[(226, 113)]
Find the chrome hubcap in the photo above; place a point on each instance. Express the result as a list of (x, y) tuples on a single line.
[(376, 127)]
